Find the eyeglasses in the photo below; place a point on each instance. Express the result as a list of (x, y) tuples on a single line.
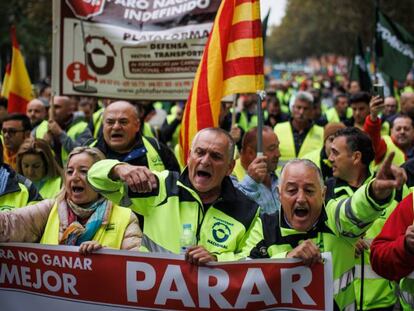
[(11, 132)]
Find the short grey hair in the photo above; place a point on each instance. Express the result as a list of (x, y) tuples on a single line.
[(304, 96), (307, 163), (219, 131)]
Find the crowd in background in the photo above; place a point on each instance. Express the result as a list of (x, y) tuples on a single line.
[(64, 166)]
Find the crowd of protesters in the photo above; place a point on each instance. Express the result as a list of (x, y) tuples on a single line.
[(335, 175)]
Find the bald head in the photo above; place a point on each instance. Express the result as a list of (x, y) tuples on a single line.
[(36, 111), (121, 105), (62, 109), (407, 103), (120, 126)]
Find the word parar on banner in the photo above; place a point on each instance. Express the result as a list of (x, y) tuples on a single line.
[(55, 277)]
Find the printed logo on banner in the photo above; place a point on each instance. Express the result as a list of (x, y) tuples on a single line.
[(101, 57), (85, 9), (221, 232)]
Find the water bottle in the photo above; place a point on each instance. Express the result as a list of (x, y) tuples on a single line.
[(187, 238)]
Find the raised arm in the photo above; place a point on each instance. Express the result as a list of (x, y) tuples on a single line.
[(127, 185)]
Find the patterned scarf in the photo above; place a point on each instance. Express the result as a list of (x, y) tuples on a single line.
[(76, 233)]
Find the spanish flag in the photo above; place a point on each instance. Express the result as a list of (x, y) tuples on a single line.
[(232, 63), (17, 87), (6, 81)]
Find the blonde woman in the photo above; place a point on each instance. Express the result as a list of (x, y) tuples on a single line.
[(77, 216)]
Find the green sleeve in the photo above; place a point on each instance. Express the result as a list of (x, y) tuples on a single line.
[(352, 216), (117, 191)]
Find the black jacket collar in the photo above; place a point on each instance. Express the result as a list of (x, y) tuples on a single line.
[(110, 154)]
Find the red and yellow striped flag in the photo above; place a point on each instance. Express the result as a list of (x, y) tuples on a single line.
[(17, 87), (232, 63)]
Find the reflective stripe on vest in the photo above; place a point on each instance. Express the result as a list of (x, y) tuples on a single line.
[(147, 244), (344, 281), (407, 298), (350, 307), (368, 272)]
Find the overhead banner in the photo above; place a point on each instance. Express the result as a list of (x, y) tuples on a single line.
[(129, 49), (39, 277)]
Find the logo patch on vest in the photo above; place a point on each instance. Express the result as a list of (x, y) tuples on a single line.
[(156, 161), (221, 232)]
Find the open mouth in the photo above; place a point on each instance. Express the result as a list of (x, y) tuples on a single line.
[(203, 174), (116, 135), (301, 212), (77, 189)]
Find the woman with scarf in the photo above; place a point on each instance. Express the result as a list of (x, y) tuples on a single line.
[(77, 216), (36, 162)]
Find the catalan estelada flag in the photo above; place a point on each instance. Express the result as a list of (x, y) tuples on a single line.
[(232, 63), (17, 87)]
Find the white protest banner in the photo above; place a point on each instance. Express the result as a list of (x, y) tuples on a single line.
[(129, 49), (39, 277)]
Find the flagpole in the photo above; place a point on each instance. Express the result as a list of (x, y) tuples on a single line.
[(260, 97), (233, 111), (374, 41)]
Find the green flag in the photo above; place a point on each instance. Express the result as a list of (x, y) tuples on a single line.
[(394, 48), (359, 70), (264, 26)]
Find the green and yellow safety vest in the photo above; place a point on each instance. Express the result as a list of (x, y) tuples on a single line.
[(110, 234), (313, 141)]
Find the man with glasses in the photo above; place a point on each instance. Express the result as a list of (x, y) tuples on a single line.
[(15, 129)]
